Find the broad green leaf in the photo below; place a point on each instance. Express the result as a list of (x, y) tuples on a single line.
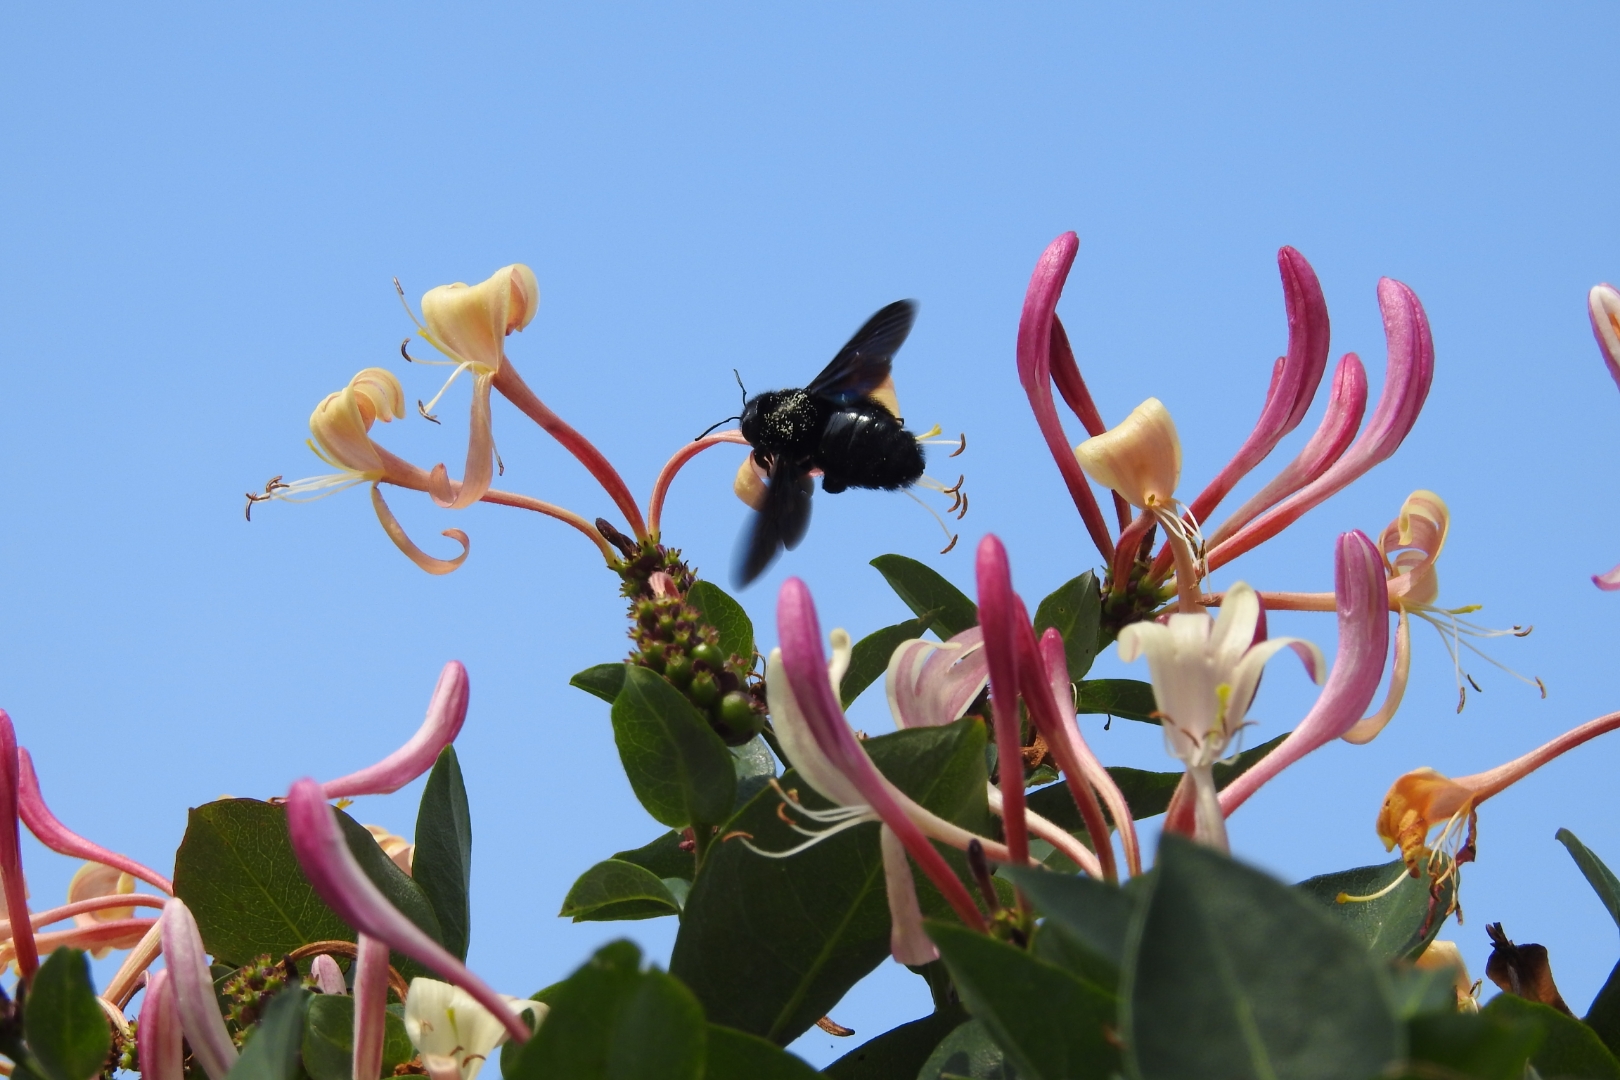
[(271, 1052), (602, 680), (442, 863), (612, 1021), (1050, 1024), (1570, 1048), (1399, 924), (1467, 1045), (1600, 877), (869, 659), (1603, 1016), (754, 766), (1093, 914), (1126, 698), (725, 615), (968, 1053), (678, 767), (328, 1046), (770, 945), (236, 872), (1415, 991), (926, 593), (64, 1027), (900, 1051), (1233, 974), (1074, 609), (663, 857), (736, 1055), (613, 890)]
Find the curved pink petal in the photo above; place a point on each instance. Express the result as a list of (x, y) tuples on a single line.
[(908, 941), (337, 879), (1294, 381), (157, 1036), (447, 711), (370, 1007), (1406, 386), (64, 841), (997, 620), (1363, 606), (195, 1002), (480, 470), (805, 664), (1034, 372), (1608, 582), (11, 869)]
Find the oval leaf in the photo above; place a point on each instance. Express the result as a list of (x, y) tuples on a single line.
[(442, 863), (1399, 924), (727, 616), (678, 767), (65, 1028), (928, 594), (328, 1045), (1074, 609), (613, 890), (869, 659)]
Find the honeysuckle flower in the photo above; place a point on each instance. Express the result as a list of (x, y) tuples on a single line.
[(1446, 956), (338, 880), (1425, 798), (446, 712), (1603, 306), (95, 879), (445, 1021), (158, 1040), (1205, 672), (64, 841), (370, 1007), (11, 871), (1357, 667), (399, 850), (327, 975), (193, 987)]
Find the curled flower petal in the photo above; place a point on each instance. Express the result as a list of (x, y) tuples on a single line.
[(1140, 457), (195, 1002), (337, 879), (341, 423), (1608, 582), (64, 841), (480, 471), (396, 533), (469, 323), (908, 941), (446, 712), (157, 1035)]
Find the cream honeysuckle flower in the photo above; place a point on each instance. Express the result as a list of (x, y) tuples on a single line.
[(1205, 673), (469, 325), (95, 879), (445, 1022)]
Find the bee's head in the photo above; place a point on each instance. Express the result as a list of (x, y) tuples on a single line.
[(754, 413)]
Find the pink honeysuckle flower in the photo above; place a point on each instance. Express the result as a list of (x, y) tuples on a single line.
[(370, 1007), (447, 711), (1205, 673), (338, 880), (11, 870), (193, 986), (64, 841), (327, 975), (1357, 668), (1603, 305), (158, 1040)]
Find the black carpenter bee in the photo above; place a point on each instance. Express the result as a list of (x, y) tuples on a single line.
[(835, 425)]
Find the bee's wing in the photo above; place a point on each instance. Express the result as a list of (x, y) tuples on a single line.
[(780, 523), (862, 365)]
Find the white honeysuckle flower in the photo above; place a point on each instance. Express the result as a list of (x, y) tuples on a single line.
[(446, 1022)]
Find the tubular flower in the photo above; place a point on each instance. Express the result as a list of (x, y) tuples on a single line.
[(1205, 673), (1425, 798), (446, 1022), (95, 879), (1603, 305), (64, 841), (446, 712), (162, 1054), (195, 1003), (11, 870)]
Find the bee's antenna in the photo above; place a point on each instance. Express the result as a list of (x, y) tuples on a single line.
[(711, 427), (741, 387)]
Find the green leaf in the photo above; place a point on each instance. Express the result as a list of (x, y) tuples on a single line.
[(1399, 924), (1050, 1024), (725, 615), (1234, 974), (1093, 915), (64, 1027), (442, 863), (1570, 1049), (928, 594), (900, 1051), (754, 767), (663, 857), (1074, 609), (1467, 1045), (602, 680), (328, 1045), (1597, 875), (237, 873), (1416, 991), (613, 890), (737, 1055), (678, 767), (1604, 1015), (271, 1052), (770, 945), (968, 1053), (870, 657), (612, 1021), (1127, 698)]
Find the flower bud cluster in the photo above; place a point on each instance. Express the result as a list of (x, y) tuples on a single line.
[(248, 991)]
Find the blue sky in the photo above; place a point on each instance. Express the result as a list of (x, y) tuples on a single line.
[(204, 207)]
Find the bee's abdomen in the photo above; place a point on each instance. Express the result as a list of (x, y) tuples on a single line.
[(864, 446)]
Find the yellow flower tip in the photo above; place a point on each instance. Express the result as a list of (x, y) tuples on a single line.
[(1140, 458), (469, 322), (1411, 545), (749, 485), (1417, 802)]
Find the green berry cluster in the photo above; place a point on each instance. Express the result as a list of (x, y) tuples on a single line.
[(248, 991), (672, 637)]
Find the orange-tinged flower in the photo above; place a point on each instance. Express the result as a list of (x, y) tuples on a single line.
[(398, 849), (98, 879)]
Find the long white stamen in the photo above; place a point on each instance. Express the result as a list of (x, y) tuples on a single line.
[(453, 376), (815, 838)]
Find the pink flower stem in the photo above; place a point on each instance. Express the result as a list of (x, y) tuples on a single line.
[(550, 510), (515, 390), (666, 475)]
